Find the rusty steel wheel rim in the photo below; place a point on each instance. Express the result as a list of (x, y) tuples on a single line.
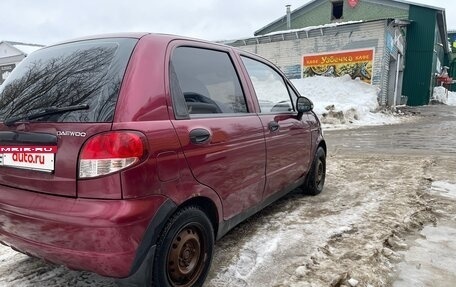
[(186, 257)]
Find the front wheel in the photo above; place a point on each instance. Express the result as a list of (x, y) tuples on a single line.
[(184, 250), (317, 174)]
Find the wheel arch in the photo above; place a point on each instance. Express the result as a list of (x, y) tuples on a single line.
[(207, 206), (139, 273), (322, 144)]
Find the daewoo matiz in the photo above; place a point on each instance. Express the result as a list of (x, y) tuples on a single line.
[(128, 155)]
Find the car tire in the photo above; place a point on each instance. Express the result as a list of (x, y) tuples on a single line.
[(316, 178), (184, 250)]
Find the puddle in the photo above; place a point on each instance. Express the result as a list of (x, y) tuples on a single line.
[(431, 259), (444, 189)]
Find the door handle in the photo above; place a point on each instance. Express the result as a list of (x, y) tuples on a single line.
[(273, 126), (200, 136)]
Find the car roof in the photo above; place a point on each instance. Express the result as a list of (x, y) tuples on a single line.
[(135, 35)]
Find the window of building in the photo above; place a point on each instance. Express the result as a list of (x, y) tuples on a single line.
[(337, 10)]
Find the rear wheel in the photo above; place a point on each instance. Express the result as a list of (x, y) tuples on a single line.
[(317, 174), (184, 250)]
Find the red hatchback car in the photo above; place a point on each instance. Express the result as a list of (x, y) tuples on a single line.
[(128, 155)]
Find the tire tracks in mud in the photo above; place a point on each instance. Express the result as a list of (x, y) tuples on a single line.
[(352, 232), (367, 251)]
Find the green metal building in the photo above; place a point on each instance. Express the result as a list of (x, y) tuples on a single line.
[(426, 50), (452, 40)]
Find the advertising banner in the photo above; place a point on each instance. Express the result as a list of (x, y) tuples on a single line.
[(452, 39), (356, 63)]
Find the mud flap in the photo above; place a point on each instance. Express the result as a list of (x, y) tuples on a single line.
[(143, 276)]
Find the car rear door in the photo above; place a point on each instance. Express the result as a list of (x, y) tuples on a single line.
[(222, 139), (288, 139)]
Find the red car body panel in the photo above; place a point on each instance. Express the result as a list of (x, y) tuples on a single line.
[(231, 163), (282, 148), (97, 235), (142, 95)]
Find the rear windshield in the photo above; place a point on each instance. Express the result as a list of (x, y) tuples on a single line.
[(79, 73)]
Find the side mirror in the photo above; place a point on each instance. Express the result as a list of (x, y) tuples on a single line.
[(303, 105)]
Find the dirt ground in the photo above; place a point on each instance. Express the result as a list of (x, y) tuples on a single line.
[(376, 195), (356, 233)]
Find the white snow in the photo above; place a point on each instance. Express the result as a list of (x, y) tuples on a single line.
[(343, 102), (271, 241), (444, 189), (451, 99), (353, 282), (339, 102), (27, 49), (309, 28), (442, 95)]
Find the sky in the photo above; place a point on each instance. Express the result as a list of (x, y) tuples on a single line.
[(50, 21)]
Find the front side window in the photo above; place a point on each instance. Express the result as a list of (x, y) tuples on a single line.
[(270, 88), (205, 82)]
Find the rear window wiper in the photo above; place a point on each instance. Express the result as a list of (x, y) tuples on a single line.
[(45, 112)]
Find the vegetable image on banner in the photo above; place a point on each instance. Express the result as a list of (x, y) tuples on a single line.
[(356, 63)]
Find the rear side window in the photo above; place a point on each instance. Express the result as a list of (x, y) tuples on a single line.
[(79, 73), (205, 82), (270, 88)]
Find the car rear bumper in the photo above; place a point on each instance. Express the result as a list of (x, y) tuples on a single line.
[(100, 236)]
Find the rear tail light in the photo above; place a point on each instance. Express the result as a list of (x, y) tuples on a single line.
[(110, 152)]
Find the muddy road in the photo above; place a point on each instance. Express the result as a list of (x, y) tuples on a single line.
[(377, 194), (380, 203)]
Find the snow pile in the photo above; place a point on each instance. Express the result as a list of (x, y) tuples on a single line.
[(310, 28), (451, 98), (340, 102), (442, 95)]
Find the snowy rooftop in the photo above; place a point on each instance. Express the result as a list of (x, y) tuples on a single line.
[(310, 28), (25, 48), (289, 31)]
